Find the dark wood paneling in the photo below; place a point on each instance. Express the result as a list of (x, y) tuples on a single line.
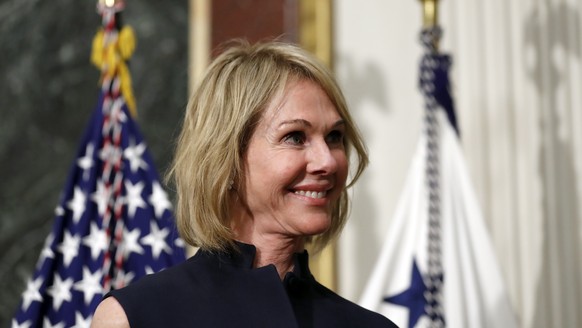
[(253, 20)]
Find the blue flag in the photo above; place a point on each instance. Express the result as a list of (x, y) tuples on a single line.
[(113, 223), (437, 267)]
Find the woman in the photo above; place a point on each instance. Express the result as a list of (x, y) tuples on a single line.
[(260, 170)]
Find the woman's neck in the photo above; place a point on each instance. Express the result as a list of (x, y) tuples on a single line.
[(271, 247), (278, 252), (274, 249)]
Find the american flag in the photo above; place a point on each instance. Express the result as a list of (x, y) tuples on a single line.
[(113, 223)]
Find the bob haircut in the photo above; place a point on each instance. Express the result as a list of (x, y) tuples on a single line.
[(220, 119)]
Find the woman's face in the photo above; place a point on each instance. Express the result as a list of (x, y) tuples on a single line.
[(295, 163)]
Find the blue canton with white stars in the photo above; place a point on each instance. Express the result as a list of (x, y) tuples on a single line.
[(113, 225)]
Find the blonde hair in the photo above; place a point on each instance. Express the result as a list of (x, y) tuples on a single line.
[(219, 121)]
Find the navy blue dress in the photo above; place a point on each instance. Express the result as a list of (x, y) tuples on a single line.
[(224, 290)]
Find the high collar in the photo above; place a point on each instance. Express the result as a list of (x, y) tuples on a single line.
[(243, 256)]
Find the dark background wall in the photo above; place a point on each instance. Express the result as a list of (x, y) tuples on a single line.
[(48, 89)]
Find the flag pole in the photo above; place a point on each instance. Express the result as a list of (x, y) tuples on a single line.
[(430, 12), (430, 16)]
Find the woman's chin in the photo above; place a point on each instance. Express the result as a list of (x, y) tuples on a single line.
[(315, 226)]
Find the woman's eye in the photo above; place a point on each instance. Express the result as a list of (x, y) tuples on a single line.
[(335, 137), (295, 138)]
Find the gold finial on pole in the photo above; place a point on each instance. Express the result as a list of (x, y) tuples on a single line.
[(430, 13), (116, 5)]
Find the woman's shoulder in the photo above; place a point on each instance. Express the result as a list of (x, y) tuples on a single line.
[(350, 313), (109, 314), (175, 277), (154, 296)]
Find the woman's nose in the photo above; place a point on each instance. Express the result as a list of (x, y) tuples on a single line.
[(321, 159)]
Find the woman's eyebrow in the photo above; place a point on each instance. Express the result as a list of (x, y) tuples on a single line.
[(306, 123), (339, 122), (297, 121)]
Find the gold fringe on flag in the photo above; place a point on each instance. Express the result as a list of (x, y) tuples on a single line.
[(110, 56)]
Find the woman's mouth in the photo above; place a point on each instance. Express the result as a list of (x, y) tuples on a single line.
[(311, 194)]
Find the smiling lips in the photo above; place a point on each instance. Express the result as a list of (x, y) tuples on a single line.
[(311, 194)]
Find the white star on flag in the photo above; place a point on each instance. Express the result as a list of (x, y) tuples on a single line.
[(90, 285), (133, 153), (82, 322), (77, 204), (32, 292), (96, 240), (69, 247), (59, 211), (101, 197), (133, 198), (157, 240), (15, 324), (46, 252), (47, 324), (149, 270), (159, 200), (123, 278), (130, 243), (86, 162), (60, 291)]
